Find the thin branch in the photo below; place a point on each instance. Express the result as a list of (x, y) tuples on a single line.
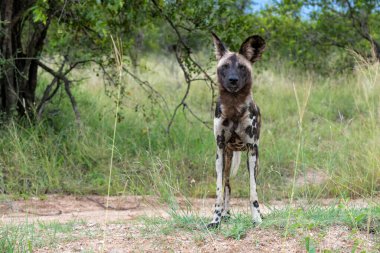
[(112, 207), (35, 212), (188, 82), (66, 82), (73, 65), (47, 96), (182, 44), (181, 40), (144, 84), (73, 102), (359, 25), (205, 123)]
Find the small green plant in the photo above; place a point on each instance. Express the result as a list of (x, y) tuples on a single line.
[(309, 245), (238, 225), (29, 236)]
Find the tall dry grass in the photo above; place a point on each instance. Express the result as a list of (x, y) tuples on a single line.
[(335, 155)]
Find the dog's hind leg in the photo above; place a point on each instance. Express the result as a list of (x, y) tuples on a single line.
[(227, 188), (252, 161)]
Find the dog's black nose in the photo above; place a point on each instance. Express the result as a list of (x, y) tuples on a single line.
[(233, 80)]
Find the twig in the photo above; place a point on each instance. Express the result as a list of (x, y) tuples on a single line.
[(66, 82), (113, 208), (152, 90), (188, 82), (58, 212), (181, 43), (47, 96), (205, 123)]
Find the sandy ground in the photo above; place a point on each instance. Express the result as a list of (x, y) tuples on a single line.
[(120, 230)]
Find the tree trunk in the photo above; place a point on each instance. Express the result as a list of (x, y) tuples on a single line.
[(7, 81), (18, 72), (376, 49), (29, 67)]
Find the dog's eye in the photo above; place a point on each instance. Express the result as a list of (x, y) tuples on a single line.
[(241, 67), (225, 66)]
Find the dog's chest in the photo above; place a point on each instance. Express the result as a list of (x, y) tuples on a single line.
[(234, 112), (234, 132), (235, 141), (237, 130)]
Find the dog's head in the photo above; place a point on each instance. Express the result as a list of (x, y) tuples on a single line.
[(234, 70)]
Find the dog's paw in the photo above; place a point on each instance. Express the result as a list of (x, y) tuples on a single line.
[(256, 217), (256, 222), (226, 216), (213, 225)]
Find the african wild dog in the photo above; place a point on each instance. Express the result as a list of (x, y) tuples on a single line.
[(237, 122)]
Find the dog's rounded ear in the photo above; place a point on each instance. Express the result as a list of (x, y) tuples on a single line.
[(220, 49), (252, 48)]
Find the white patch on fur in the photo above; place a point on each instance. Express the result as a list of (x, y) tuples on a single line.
[(236, 157), (217, 126), (256, 218), (252, 183)]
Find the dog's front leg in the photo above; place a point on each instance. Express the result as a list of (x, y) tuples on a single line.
[(219, 186), (253, 155), (222, 135), (228, 155)]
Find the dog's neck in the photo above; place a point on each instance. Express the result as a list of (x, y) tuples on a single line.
[(234, 103)]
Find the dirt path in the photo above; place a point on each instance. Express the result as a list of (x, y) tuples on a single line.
[(119, 230), (92, 208)]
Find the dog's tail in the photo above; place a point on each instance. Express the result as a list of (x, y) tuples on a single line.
[(235, 163)]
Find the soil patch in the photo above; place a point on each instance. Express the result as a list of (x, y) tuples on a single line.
[(119, 230)]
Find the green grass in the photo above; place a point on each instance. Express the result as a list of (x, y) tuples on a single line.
[(26, 237), (313, 220), (339, 142), (306, 224)]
